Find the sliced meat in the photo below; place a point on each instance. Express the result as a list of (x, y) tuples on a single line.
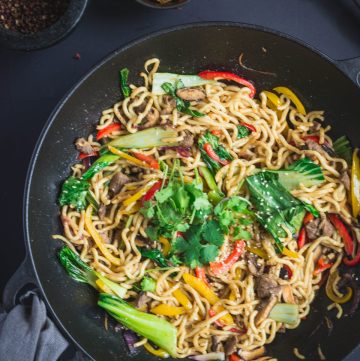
[(169, 105), (190, 94), (102, 211), (142, 300), (266, 286), (117, 182), (326, 227), (264, 309), (188, 140), (83, 146), (253, 354), (151, 118), (215, 343), (311, 145), (313, 229), (255, 267), (230, 345), (345, 180)]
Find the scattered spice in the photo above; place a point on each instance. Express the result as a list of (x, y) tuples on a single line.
[(30, 16)]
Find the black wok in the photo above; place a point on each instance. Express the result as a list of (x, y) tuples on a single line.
[(319, 81)]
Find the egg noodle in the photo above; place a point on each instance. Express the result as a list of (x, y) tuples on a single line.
[(274, 145)]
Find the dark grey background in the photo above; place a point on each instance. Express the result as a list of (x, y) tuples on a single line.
[(31, 83)]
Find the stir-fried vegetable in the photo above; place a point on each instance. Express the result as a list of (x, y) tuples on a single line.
[(226, 75), (187, 80), (355, 184), (182, 299), (100, 164), (342, 148), (215, 195), (291, 95), (128, 157), (274, 99), (182, 105), (156, 256), (304, 171), (123, 77), (73, 192), (340, 227), (243, 131), (149, 195), (108, 130), (285, 312), (148, 284), (322, 265), (148, 138), (200, 273), (156, 352), (139, 194), (81, 272), (154, 328), (213, 153), (276, 207), (167, 310), (152, 162), (330, 285)]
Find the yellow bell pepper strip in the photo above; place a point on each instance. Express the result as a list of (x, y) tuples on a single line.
[(232, 296), (289, 253), (97, 238), (290, 94), (166, 245), (128, 157), (274, 99), (205, 291), (157, 352), (183, 299), (330, 292), (355, 184), (133, 209), (135, 197), (167, 310), (258, 251)]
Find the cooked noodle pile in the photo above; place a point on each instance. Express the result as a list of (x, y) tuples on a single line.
[(272, 146)]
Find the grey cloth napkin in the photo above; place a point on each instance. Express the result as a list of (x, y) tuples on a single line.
[(27, 333)]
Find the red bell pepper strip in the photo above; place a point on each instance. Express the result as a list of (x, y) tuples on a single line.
[(354, 261), (149, 195), (200, 272), (153, 163), (226, 75), (216, 132), (249, 126), (316, 139), (210, 152), (218, 268), (107, 130), (221, 324), (288, 270), (309, 217), (344, 233), (301, 238), (234, 357), (322, 266), (84, 155)]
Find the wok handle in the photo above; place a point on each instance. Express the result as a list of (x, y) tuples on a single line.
[(23, 276), (351, 67)]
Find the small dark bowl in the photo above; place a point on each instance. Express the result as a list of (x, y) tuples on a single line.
[(155, 5), (55, 32)]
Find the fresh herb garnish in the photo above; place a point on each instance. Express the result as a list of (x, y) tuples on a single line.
[(218, 148), (182, 106), (243, 131), (123, 75), (148, 284)]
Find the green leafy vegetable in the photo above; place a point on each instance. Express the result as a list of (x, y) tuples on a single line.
[(187, 80), (285, 313), (75, 192), (81, 272), (343, 149), (124, 74), (155, 329), (148, 138), (182, 106), (215, 195), (218, 148), (243, 131), (276, 207), (156, 256), (304, 171), (100, 164), (148, 284)]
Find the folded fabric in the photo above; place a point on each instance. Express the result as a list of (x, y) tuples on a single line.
[(27, 333)]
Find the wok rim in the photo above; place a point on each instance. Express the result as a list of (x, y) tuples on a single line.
[(29, 259)]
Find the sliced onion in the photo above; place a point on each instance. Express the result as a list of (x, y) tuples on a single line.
[(130, 338), (209, 356), (183, 151)]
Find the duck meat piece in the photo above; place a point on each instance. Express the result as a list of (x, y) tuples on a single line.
[(313, 229), (230, 345), (83, 146), (187, 141), (256, 268), (264, 309), (266, 286), (142, 301), (191, 94), (326, 227), (169, 105), (151, 118), (345, 180), (321, 148), (215, 343), (117, 182)]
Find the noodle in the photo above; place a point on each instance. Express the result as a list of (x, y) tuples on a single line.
[(272, 146)]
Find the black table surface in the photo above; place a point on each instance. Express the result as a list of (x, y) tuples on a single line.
[(31, 83)]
